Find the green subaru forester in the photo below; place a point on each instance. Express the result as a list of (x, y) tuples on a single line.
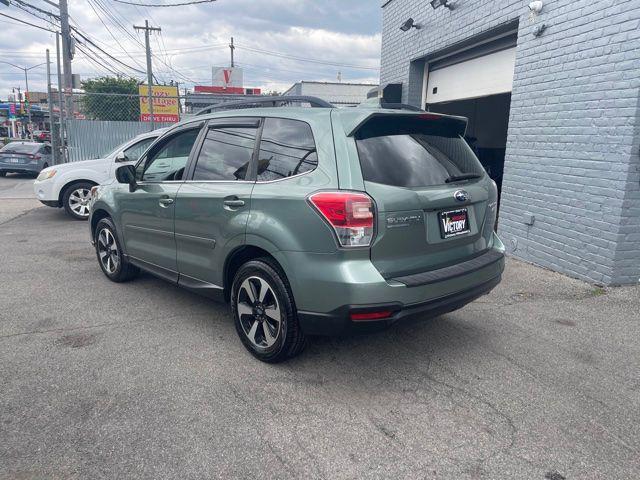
[(309, 221)]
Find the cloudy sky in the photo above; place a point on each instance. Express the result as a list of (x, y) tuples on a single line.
[(278, 42)]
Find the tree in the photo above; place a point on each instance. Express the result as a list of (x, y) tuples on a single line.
[(111, 98)]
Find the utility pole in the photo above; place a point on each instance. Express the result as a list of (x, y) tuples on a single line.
[(232, 48), (54, 140), (28, 102), (66, 56), (61, 115), (148, 29)]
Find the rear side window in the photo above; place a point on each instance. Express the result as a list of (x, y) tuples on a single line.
[(287, 148), (415, 153), (226, 154)]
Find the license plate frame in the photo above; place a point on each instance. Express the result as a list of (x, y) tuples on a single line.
[(453, 229)]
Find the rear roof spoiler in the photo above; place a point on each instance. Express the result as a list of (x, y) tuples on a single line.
[(457, 125)]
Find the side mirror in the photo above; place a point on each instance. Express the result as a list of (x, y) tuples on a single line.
[(127, 174), (121, 157)]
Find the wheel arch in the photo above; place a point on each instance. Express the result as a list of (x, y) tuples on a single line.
[(72, 182), (98, 215), (238, 257)]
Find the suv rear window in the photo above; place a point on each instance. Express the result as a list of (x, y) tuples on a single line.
[(413, 152)]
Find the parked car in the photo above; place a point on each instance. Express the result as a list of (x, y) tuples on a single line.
[(309, 221), (69, 185), (24, 157), (42, 136)]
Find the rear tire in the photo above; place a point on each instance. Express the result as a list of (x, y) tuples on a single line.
[(264, 312), (76, 200), (3, 174), (110, 255)]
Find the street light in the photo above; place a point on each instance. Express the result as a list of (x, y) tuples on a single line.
[(26, 91)]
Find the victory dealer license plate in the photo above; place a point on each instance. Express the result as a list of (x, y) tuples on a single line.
[(454, 223)]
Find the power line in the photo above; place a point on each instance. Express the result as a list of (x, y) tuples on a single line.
[(303, 59), (77, 30), (192, 2), (111, 33), (26, 23), (29, 12), (97, 62), (28, 5)]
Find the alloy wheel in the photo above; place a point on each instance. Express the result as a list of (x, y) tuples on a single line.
[(259, 312), (108, 251), (79, 201)]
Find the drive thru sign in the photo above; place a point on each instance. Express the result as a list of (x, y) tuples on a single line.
[(166, 105)]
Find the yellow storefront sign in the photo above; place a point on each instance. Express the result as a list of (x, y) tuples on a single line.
[(166, 104)]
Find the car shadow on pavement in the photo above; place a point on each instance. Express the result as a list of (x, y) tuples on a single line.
[(416, 337)]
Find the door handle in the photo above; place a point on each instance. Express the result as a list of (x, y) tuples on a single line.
[(165, 202), (234, 203)]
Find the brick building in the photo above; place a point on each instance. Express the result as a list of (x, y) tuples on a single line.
[(553, 101)]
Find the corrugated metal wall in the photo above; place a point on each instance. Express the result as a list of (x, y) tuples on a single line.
[(94, 138)]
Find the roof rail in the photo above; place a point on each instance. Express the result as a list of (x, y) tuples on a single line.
[(267, 101)]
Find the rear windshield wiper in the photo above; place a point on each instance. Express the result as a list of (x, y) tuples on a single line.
[(459, 178)]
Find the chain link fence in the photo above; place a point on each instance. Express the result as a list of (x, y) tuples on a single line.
[(96, 123)]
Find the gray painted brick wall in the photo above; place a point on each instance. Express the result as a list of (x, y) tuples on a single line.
[(573, 149)]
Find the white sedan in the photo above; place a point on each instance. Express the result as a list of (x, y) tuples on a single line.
[(69, 185)]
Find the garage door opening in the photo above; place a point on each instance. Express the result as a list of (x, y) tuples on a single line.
[(476, 83), (487, 129)]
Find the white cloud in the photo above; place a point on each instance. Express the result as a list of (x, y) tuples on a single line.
[(334, 31)]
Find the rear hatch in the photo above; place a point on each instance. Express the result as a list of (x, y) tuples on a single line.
[(430, 190)]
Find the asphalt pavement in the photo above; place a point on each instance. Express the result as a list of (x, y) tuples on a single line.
[(538, 380)]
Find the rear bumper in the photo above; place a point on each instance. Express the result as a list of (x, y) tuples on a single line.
[(338, 321), (329, 287), (20, 167)]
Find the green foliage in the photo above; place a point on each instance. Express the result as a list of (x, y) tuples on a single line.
[(123, 104)]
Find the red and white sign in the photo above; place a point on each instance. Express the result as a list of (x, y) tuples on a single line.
[(230, 90), (227, 77)]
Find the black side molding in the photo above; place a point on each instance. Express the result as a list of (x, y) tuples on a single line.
[(446, 273)]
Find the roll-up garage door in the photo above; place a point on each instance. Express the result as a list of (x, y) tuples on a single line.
[(479, 72)]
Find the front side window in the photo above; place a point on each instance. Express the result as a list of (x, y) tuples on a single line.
[(226, 154), (287, 148), (168, 160), (133, 153)]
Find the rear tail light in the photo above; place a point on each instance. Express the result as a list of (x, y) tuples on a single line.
[(33, 157), (350, 214)]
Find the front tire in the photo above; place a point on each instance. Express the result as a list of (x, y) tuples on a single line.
[(109, 252), (76, 200), (264, 312)]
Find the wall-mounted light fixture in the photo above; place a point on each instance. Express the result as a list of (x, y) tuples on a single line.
[(442, 3), (409, 24), (539, 30)]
